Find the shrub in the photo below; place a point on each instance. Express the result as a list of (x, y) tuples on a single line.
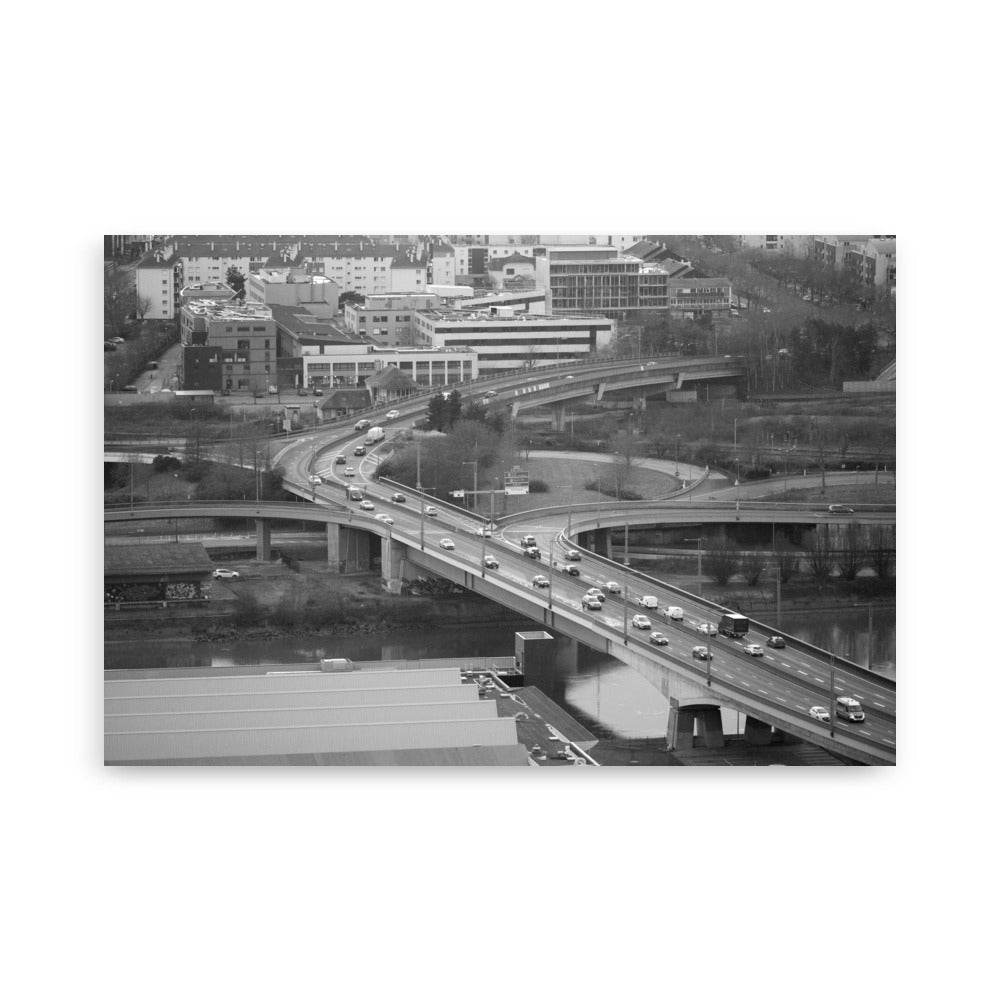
[(537, 486), (165, 463)]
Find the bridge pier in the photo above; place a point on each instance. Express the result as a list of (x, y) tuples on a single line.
[(263, 539), (681, 726), (348, 549), (393, 565), (559, 417), (333, 544)]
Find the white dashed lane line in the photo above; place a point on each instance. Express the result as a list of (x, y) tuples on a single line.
[(782, 700), (804, 674)]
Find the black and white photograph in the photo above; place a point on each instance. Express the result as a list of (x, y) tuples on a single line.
[(488, 499)]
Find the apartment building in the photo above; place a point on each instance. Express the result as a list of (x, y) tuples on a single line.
[(158, 285), (515, 272), (353, 364), (504, 340), (793, 246), (293, 286), (387, 319), (228, 346), (872, 258)]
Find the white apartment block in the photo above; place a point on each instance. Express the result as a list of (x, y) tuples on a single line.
[(794, 246), (353, 364)]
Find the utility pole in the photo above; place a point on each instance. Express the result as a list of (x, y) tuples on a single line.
[(869, 635), (551, 557), (708, 639), (833, 701), (420, 491)]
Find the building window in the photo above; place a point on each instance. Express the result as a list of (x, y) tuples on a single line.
[(243, 345)]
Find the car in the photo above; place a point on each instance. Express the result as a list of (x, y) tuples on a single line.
[(490, 394), (367, 505), (318, 390), (675, 614), (300, 391), (491, 562), (658, 639), (447, 543), (225, 574), (571, 570), (840, 508), (819, 713), (117, 340), (776, 642), (598, 593), (568, 377), (527, 541), (533, 552), (398, 498), (540, 581), (130, 388), (316, 480), (707, 628), (484, 532), (591, 603), (392, 415), (431, 511), (359, 450), (384, 518), (641, 621), (340, 460), (702, 653), (349, 471), (648, 601), (613, 588), (152, 366), (765, 309), (754, 649), (573, 556), (108, 346)]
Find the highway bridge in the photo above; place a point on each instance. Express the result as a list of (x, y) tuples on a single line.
[(775, 690)]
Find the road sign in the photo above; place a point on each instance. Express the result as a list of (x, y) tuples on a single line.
[(458, 494), (515, 491)]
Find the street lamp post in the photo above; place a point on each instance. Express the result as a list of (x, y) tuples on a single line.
[(833, 701), (421, 497), (708, 639), (677, 448), (551, 559)]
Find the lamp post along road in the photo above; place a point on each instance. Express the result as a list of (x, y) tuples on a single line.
[(833, 700), (551, 559), (421, 499)]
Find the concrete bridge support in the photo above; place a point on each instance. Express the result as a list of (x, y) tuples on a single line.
[(681, 726), (393, 565), (559, 417), (263, 539), (760, 734), (348, 549)]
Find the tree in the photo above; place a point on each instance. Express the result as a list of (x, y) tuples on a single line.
[(143, 303), (454, 408), (236, 281), (437, 413), (819, 554), (623, 447), (851, 553), (752, 566), (721, 560), (119, 297), (882, 550), (787, 561)]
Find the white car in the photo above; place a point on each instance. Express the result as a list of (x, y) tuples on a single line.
[(316, 480), (676, 614), (540, 581), (225, 574), (613, 588), (819, 713), (598, 593), (431, 511), (392, 415), (707, 628), (366, 505), (641, 621), (384, 518), (484, 532), (647, 601), (659, 639), (349, 471), (447, 543), (754, 649)]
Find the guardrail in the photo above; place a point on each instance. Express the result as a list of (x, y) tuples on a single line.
[(430, 499), (823, 654)]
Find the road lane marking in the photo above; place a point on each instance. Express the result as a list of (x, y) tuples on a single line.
[(801, 708), (782, 700), (761, 690), (804, 674), (878, 704), (884, 740), (730, 676)]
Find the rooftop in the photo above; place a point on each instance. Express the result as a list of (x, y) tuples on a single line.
[(303, 325), (144, 560), (216, 309), (498, 263)]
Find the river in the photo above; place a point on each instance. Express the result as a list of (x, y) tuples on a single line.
[(605, 695)]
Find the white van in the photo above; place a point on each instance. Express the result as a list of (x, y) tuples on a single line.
[(850, 709), (648, 601)]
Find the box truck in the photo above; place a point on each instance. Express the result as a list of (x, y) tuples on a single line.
[(735, 626)]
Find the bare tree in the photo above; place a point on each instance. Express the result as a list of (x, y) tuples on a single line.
[(752, 566), (143, 303), (851, 555), (787, 561), (119, 297), (722, 560), (882, 550), (819, 555), (623, 447)]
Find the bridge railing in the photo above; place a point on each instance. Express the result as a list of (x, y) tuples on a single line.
[(824, 654), (429, 499)]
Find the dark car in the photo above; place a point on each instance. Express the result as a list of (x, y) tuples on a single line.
[(359, 450), (398, 498), (340, 460), (130, 388), (318, 391), (571, 570), (301, 391), (491, 562), (776, 642), (108, 346), (591, 603)]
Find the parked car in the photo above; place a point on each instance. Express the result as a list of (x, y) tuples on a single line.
[(392, 415), (573, 556), (776, 642), (367, 505), (301, 391), (641, 621), (540, 581), (130, 388), (658, 639), (447, 543), (754, 649), (431, 511), (117, 340), (840, 508), (707, 628), (491, 562), (675, 614), (340, 460), (598, 593), (819, 713), (702, 653), (108, 346), (590, 603), (318, 390), (225, 574), (571, 570), (613, 588), (398, 498), (349, 471)]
